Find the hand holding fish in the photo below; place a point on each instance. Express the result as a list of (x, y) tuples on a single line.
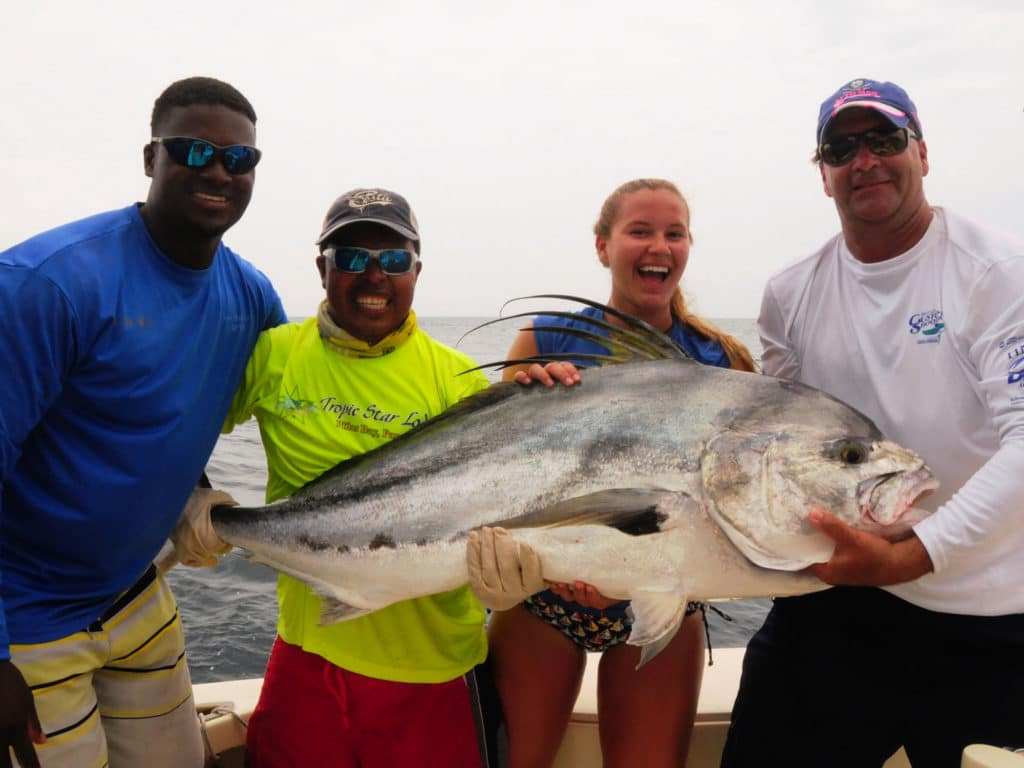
[(195, 541), (864, 559), (586, 595), (19, 723), (549, 374), (502, 571)]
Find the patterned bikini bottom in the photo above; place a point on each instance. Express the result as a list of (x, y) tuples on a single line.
[(593, 629)]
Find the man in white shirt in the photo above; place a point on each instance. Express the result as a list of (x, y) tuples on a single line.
[(916, 317)]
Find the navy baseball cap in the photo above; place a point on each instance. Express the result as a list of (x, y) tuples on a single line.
[(887, 98), (380, 206)]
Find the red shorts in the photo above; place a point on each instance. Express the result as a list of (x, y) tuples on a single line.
[(313, 713)]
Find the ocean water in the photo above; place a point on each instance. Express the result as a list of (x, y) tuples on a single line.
[(230, 611)]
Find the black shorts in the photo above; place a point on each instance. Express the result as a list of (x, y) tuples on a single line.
[(846, 676)]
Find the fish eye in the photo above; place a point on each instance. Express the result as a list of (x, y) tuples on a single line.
[(852, 453)]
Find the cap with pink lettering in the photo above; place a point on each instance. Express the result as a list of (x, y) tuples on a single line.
[(887, 98)]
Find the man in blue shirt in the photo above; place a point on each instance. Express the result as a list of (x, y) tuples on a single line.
[(124, 337)]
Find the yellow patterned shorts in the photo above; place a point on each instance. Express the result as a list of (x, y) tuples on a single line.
[(118, 693)]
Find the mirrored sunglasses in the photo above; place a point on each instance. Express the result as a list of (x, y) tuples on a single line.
[(196, 153), (841, 149), (392, 261)]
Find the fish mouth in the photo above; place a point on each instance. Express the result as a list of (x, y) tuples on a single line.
[(888, 501)]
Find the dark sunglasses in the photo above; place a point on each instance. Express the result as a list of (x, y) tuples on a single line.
[(392, 261), (196, 153), (841, 149)]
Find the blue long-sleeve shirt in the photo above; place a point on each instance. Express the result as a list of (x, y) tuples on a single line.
[(116, 369)]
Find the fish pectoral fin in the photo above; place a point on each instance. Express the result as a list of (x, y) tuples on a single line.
[(656, 619), (333, 610), (634, 511)]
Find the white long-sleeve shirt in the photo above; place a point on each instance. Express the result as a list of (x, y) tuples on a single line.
[(930, 345)]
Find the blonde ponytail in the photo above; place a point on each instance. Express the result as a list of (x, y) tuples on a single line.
[(738, 354)]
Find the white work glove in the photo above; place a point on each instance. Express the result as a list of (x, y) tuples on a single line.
[(502, 571), (195, 541)]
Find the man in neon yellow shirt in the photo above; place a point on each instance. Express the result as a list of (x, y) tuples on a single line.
[(394, 687)]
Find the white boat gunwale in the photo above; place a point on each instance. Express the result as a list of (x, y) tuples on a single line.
[(226, 707)]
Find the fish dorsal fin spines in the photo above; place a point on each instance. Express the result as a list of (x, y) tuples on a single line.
[(636, 341)]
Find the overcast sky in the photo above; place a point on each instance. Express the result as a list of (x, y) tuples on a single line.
[(507, 125)]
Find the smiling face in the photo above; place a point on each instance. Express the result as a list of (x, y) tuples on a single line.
[(872, 191), (371, 304), (646, 249), (190, 205)]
